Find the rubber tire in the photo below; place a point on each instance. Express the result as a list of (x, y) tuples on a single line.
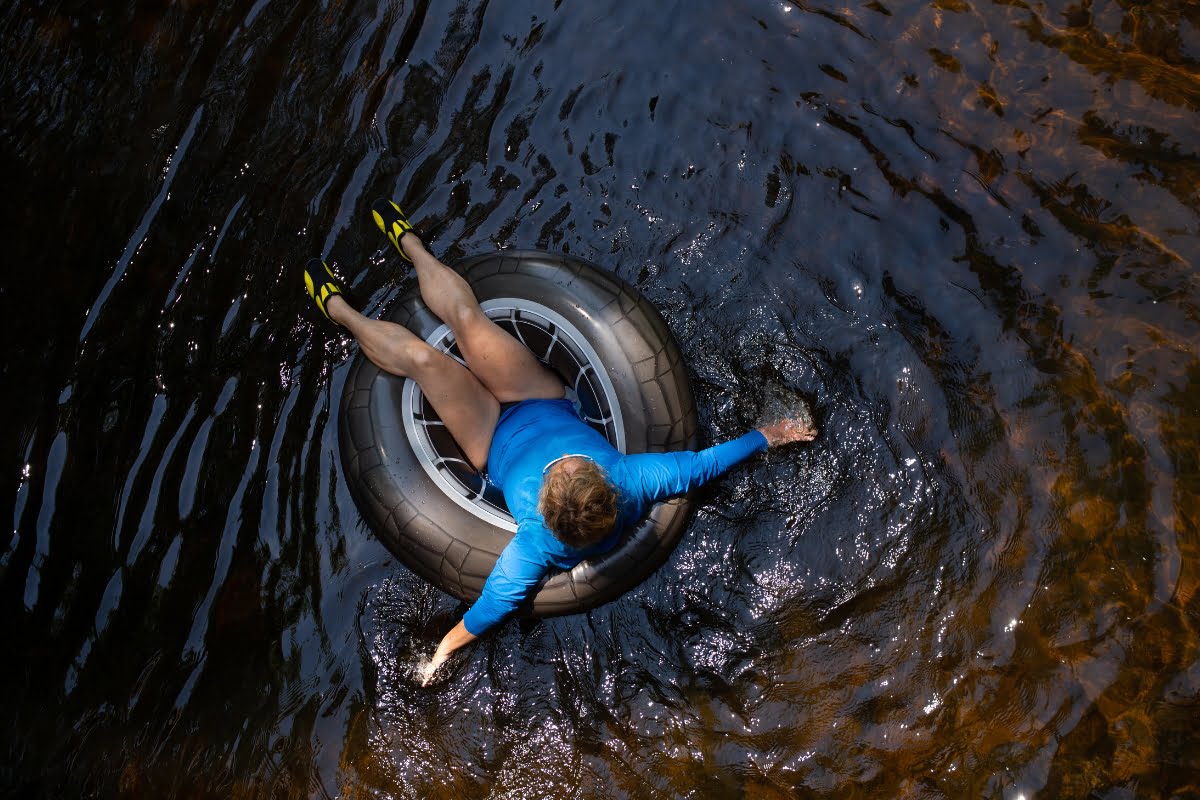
[(449, 546)]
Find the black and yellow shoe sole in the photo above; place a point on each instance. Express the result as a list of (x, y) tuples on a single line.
[(392, 222), (322, 284)]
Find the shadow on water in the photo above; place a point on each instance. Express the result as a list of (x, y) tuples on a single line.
[(963, 231)]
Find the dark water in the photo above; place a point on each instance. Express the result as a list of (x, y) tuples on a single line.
[(966, 230)]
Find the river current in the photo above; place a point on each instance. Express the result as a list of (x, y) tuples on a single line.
[(964, 231)]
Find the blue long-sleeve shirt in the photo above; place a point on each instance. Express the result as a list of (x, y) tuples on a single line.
[(531, 435)]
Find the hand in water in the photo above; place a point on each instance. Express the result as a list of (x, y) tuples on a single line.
[(786, 431), (451, 642), (426, 672)]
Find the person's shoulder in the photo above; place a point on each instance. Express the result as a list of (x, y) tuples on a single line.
[(529, 529), (532, 534), (622, 469), (530, 547)]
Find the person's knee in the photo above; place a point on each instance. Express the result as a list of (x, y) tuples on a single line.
[(464, 318), (423, 358)]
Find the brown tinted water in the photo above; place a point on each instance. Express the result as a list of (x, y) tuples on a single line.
[(965, 230)]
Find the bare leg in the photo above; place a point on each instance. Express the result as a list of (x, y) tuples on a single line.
[(466, 406), (504, 365)]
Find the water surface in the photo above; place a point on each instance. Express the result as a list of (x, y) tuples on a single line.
[(965, 230)]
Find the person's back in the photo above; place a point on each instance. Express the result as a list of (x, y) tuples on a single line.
[(529, 438)]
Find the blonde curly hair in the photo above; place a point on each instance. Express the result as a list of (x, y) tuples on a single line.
[(579, 505)]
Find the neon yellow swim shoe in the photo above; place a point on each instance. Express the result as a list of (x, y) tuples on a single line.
[(392, 222), (322, 284)]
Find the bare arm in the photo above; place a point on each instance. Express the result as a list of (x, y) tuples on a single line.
[(456, 638), (516, 574)]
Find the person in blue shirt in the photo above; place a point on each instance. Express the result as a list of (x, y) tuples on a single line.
[(571, 493)]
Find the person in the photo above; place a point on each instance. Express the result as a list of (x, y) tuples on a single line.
[(571, 493)]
